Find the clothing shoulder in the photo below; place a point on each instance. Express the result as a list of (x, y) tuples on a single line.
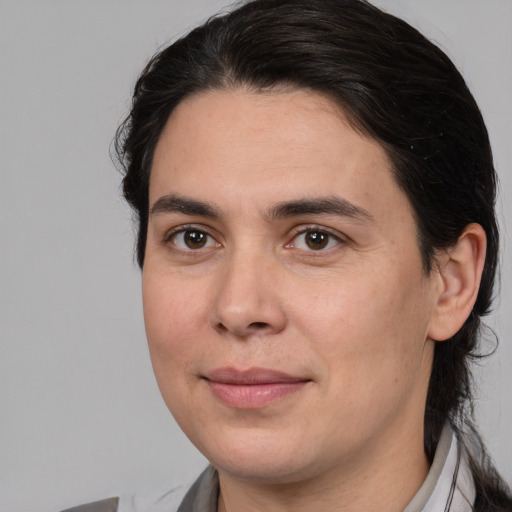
[(141, 501), (109, 505)]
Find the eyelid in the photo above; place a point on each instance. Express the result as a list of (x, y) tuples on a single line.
[(300, 230), (295, 232), (169, 234)]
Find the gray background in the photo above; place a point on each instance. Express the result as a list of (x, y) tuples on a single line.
[(80, 414)]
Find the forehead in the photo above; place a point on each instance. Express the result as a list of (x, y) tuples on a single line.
[(264, 148)]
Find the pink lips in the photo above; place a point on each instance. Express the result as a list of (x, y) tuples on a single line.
[(253, 388)]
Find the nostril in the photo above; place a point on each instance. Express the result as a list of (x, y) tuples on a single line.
[(252, 328), (221, 327), (258, 325)]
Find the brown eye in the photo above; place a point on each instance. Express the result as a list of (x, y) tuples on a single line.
[(195, 239), (316, 240), (192, 239)]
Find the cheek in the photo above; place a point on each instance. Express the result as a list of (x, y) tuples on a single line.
[(174, 313), (370, 324), (174, 316), (369, 335)]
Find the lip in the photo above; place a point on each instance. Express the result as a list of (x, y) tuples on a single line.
[(253, 388)]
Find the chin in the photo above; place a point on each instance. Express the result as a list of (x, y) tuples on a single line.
[(261, 458)]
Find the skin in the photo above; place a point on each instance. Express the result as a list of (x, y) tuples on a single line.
[(353, 320)]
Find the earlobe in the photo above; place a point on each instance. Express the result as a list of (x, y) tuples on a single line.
[(460, 270)]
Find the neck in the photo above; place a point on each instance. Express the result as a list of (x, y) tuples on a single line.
[(384, 480)]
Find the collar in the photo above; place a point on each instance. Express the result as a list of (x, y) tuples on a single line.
[(449, 484)]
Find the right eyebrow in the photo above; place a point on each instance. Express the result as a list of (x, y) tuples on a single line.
[(331, 205), (173, 203)]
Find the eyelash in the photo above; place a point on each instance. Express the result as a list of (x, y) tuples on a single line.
[(319, 230), (171, 236)]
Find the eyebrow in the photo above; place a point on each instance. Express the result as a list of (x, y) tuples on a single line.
[(173, 203), (332, 205)]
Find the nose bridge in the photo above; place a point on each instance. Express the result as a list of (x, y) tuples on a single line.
[(246, 299)]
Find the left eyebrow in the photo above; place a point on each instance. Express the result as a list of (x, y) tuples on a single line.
[(172, 203), (317, 206)]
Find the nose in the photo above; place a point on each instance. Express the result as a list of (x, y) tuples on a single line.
[(247, 301)]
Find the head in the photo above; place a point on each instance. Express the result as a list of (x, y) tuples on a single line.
[(391, 86)]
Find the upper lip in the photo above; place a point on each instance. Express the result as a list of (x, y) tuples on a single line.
[(251, 376)]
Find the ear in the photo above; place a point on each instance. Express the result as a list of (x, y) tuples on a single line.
[(459, 270)]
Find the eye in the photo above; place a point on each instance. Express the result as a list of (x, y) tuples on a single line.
[(315, 240), (192, 239)]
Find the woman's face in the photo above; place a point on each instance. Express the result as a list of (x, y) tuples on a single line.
[(286, 307)]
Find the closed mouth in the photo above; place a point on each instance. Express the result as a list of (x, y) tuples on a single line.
[(254, 388)]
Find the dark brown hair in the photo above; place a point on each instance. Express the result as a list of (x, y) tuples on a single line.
[(395, 86)]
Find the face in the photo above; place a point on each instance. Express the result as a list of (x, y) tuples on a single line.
[(286, 307)]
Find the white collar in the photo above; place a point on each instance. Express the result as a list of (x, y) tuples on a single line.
[(449, 484)]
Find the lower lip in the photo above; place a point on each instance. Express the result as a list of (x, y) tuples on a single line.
[(253, 396)]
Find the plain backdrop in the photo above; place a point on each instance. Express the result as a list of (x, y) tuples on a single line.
[(80, 414)]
